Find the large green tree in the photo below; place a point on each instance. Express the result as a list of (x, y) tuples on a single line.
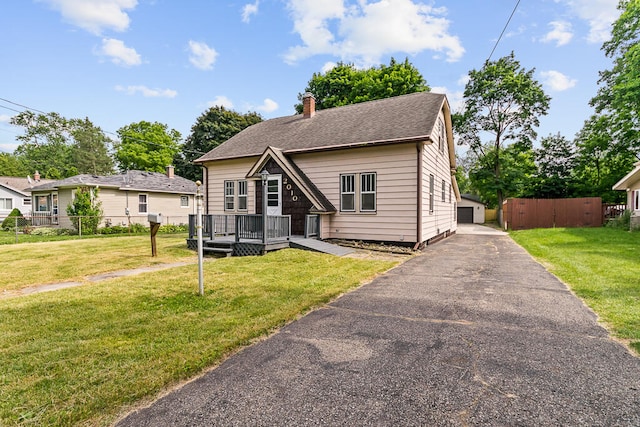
[(555, 160), (11, 165), (90, 151), (345, 84), (503, 103), (146, 146), (212, 128)]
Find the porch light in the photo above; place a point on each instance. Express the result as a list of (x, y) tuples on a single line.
[(264, 175)]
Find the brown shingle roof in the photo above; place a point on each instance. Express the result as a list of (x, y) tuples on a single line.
[(397, 119)]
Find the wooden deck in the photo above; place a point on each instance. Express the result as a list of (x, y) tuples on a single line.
[(227, 246)]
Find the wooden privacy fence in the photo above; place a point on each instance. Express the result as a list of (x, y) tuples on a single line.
[(522, 214)]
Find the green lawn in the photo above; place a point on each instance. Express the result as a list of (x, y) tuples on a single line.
[(601, 265), (83, 356)]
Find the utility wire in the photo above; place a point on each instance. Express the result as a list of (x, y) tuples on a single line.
[(503, 30)]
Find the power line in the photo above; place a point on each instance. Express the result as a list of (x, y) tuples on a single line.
[(20, 105), (9, 108), (503, 30)]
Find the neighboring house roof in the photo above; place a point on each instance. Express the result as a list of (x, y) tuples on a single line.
[(628, 179), (21, 185), (130, 181), (398, 119)]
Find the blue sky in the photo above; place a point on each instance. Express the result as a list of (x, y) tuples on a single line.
[(123, 61)]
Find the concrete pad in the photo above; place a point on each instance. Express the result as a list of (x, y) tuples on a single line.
[(454, 337)]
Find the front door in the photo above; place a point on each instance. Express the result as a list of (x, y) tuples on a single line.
[(274, 195)]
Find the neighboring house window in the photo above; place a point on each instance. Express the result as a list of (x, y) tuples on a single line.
[(368, 192), (6, 204), (242, 195), (184, 201), (636, 200), (444, 189), (26, 202), (229, 195), (347, 193), (142, 203), (431, 189)]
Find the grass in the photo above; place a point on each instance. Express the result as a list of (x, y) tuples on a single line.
[(601, 265), (71, 260), (9, 237), (82, 356)]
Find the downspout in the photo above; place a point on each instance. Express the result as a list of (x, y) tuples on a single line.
[(419, 147)]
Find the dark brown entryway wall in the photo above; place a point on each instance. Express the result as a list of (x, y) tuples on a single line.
[(522, 214), (294, 202)]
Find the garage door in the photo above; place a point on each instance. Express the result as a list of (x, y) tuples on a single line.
[(465, 215)]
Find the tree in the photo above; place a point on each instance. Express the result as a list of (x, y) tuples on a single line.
[(503, 101), (90, 148), (345, 84), (45, 144), (556, 160), (146, 146), (619, 94), (212, 128), (11, 165), (85, 211)]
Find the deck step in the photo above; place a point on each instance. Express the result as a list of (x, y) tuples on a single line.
[(319, 246)]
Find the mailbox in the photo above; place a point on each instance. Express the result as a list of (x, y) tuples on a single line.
[(157, 218)]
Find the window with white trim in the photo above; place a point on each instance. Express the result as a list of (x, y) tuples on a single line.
[(6, 204), (143, 202), (635, 200), (184, 201), (348, 193), (431, 190), (242, 195), (229, 195), (444, 187), (441, 136), (368, 192), (450, 193), (26, 202)]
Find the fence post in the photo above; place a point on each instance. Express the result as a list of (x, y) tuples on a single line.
[(80, 226), (16, 229)]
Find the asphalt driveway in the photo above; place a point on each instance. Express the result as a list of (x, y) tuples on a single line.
[(472, 332)]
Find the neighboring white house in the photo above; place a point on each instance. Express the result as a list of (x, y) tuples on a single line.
[(15, 192), (631, 184), (470, 210), (126, 198), (379, 171)]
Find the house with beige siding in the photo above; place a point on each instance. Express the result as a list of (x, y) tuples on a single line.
[(126, 198), (631, 184), (375, 171)]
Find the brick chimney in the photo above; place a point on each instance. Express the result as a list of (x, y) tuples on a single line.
[(308, 105), (170, 172), (36, 176)]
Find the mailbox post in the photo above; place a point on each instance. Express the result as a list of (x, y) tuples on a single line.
[(155, 220)]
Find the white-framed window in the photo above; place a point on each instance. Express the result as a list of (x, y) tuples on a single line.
[(444, 189), (26, 202), (242, 195), (635, 200), (431, 190), (450, 187), (184, 201), (441, 135), (348, 193), (143, 203), (229, 195), (6, 204), (368, 192)]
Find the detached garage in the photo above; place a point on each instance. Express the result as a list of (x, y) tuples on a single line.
[(470, 210)]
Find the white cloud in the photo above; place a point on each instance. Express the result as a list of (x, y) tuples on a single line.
[(455, 98), (4, 118), (561, 33), (599, 14), (202, 56), (366, 31), (147, 92), (557, 81), (119, 53), (95, 16), (248, 10), (328, 66), (221, 101), (268, 106)]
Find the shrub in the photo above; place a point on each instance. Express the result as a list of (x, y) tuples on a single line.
[(623, 221), (171, 228), (85, 211), (9, 222), (44, 231)]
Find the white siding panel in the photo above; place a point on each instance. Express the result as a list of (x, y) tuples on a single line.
[(395, 218), (233, 170)]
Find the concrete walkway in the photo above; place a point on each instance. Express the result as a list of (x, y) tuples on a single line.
[(472, 332)]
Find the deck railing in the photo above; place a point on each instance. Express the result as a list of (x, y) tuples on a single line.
[(311, 226), (250, 227), (213, 225)]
